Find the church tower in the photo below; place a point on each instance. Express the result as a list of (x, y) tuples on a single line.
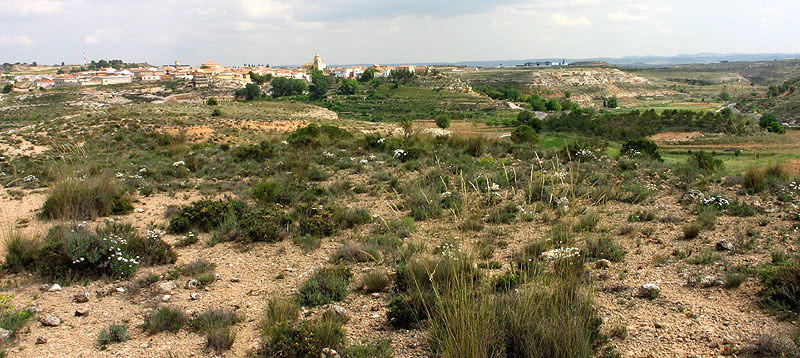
[(318, 64)]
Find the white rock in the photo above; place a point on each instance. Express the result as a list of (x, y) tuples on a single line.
[(55, 288), (648, 290), (167, 287), (50, 320), (166, 298)]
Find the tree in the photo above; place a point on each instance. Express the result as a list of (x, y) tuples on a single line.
[(402, 75), (211, 101), (349, 86), (7, 88), (443, 121), (320, 83), (250, 92), (283, 86), (523, 117), (367, 75), (260, 79), (524, 135), (612, 102), (553, 105), (725, 96), (567, 94), (567, 105)]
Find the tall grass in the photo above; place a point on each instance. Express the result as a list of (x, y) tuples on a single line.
[(85, 199)]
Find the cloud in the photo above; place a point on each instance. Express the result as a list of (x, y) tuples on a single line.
[(626, 17), (28, 7), (264, 8), (563, 20), (19, 40)]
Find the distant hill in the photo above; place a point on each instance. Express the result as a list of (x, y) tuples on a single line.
[(644, 61)]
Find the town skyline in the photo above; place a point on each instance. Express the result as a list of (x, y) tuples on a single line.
[(357, 32)]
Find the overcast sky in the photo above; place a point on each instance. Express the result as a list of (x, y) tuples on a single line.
[(374, 31)]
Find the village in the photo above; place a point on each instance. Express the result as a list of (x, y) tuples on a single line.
[(208, 74)]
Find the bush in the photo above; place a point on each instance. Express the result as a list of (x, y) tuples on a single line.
[(11, 318), (21, 252), (378, 349), (691, 230), (705, 162), (319, 223), (355, 253), (284, 336), (604, 248), (215, 323), (758, 180), (402, 312), (781, 281), (202, 215), (327, 285), (263, 225), (375, 281), (115, 333), (211, 101), (165, 319), (69, 252), (220, 339), (442, 121), (524, 135), (645, 147), (272, 191), (216, 112), (96, 196)]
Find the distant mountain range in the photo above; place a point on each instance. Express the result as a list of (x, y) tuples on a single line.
[(629, 60)]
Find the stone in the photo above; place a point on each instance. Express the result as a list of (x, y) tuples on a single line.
[(235, 279), (692, 197), (55, 288), (81, 297), (329, 353), (340, 312), (5, 334), (194, 296), (120, 289), (102, 292), (376, 295), (167, 287), (166, 298), (602, 264), (648, 290), (191, 284), (50, 320), (725, 245), (81, 311), (41, 340)]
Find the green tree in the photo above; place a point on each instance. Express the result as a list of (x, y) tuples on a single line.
[(766, 119), (7, 88), (442, 121), (349, 86), (612, 102), (260, 79), (367, 75), (283, 86), (553, 105), (524, 117), (567, 94), (524, 135), (320, 83), (250, 92), (725, 96), (402, 75), (211, 101)]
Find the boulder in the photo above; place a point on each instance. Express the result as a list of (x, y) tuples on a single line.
[(81, 311), (50, 320), (692, 197), (81, 297), (725, 245), (55, 288), (191, 284), (5, 334), (648, 290), (41, 340), (167, 287)]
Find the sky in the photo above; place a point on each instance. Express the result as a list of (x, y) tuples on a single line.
[(289, 32)]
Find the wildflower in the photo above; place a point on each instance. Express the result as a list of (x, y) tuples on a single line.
[(399, 153), (178, 163), (329, 154), (380, 141), (120, 175), (29, 178), (495, 187), (284, 142), (364, 161)]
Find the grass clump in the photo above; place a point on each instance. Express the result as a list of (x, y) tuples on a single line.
[(165, 319), (284, 335), (202, 215), (758, 180), (263, 225), (604, 248), (375, 281), (74, 251), (356, 253), (325, 286), (781, 281), (114, 333), (691, 230), (378, 349), (216, 324), (86, 199)]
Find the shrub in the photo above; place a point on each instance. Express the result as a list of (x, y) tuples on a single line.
[(402, 312), (327, 285), (11, 318), (734, 279), (781, 281), (378, 349), (355, 253), (202, 215), (588, 221), (524, 135), (211, 101), (503, 214), (319, 223), (263, 224), (375, 281), (272, 191), (640, 146), (115, 333), (758, 180), (691, 230), (216, 112), (284, 336), (442, 121), (96, 196), (169, 319), (68, 252), (215, 323), (770, 345), (705, 162), (21, 252), (220, 339), (604, 248)]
